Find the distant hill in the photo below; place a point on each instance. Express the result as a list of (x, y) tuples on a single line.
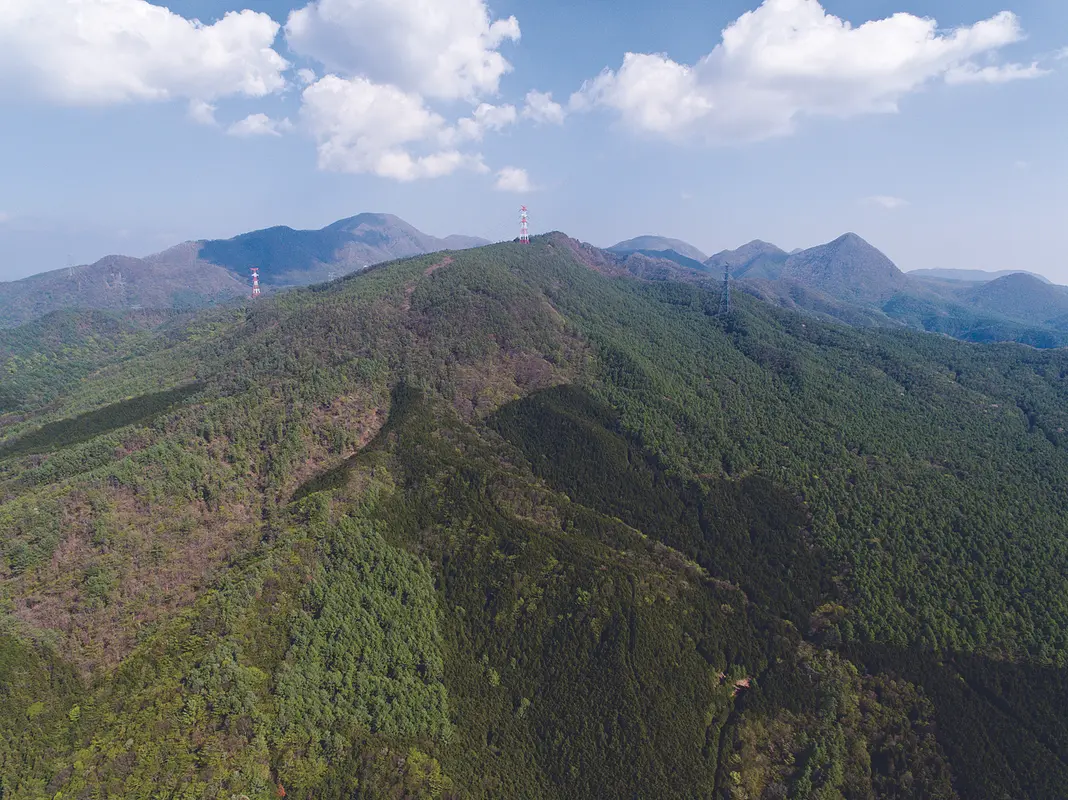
[(119, 282), (757, 259), (848, 268), (658, 243), (1020, 296), (289, 257), (671, 255), (199, 273), (969, 275)]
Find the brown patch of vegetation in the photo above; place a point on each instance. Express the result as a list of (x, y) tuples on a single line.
[(435, 267), (483, 387), (129, 567), (356, 414)]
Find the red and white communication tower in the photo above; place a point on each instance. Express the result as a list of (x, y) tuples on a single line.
[(255, 282), (524, 227)]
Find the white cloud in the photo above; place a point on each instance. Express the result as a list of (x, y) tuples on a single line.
[(389, 59), (513, 179), (788, 59), (445, 49), (973, 73), (259, 125), (888, 202), (1022, 165), (1062, 54), (201, 112), (362, 126), (307, 76), (93, 52), (652, 92), (4, 217), (484, 118), (540, 107)]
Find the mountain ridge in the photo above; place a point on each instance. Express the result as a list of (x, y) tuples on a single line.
[(512, 523)]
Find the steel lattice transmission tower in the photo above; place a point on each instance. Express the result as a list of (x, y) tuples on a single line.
[(725, 300), (255, 282), (524, 226)]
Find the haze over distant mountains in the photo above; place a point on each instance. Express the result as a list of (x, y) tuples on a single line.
[(847, 279), (971, 275), (203, 272)]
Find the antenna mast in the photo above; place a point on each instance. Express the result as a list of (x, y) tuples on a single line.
[(524, 227), (255, 282), (725, 301)]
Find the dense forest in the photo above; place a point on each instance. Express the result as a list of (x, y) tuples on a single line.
[(512, 522)]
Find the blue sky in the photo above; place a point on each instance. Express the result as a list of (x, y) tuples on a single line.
[(129, 129)]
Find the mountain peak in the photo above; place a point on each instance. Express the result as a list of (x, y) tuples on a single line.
[(755, 259), (846, 268), (294, 257), (1021, 296), (850, 238), (651, 242), (366, 218)]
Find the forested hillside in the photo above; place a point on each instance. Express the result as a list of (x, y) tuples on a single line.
[(513, 522)]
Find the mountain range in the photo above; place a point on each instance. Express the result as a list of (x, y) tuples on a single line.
[(199, 273), (847, 279), (850, 280), (531, 521)]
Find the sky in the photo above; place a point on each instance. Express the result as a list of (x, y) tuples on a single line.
[(935, 129)]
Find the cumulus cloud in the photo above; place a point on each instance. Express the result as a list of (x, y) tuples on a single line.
[(201, 112), (513, 179), (259, 125), (446, 49), (540, 107), (888, 202), (790, 58), (484, 118), (95, 52), (362, 126), (652, 92), (388, 61), (307, 76)]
